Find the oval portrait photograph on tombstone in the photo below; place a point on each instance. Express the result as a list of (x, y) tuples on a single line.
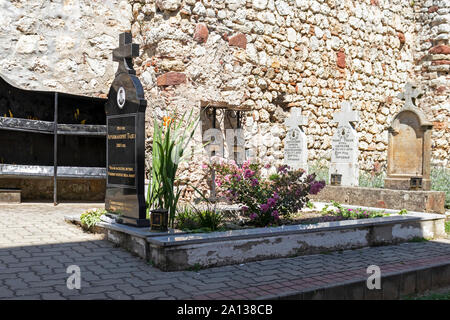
[(121, 97)]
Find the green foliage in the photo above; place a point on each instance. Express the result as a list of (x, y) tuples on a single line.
[(447, 227), (310, 205), (440, 181), (274, 177), (91, 217), (418, 239), (209, 219), (195, 220), (402, 212), (432, 296), (186, 219), (371, 179), (320, 170), (196, 267), (170, 139), (264, 200), (341, 212)]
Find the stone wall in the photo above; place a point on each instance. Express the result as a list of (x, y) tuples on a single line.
[(61, 45), (432, 59), (272, 55), (264, 55)]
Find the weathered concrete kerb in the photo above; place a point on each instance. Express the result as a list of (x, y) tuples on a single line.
[(180, 252), (176, 250)]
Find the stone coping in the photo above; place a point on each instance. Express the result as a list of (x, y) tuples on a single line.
[(182, 239), (175, 237), (134, 231)]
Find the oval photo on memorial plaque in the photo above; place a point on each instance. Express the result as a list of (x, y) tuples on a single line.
[(121, 97)]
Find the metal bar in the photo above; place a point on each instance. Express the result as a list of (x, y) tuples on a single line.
[(238, 119), (55, 151), (213, 173)]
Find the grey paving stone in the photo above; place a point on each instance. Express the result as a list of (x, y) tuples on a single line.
[(48, 245)]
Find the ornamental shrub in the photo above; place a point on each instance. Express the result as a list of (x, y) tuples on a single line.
[(264, 200)]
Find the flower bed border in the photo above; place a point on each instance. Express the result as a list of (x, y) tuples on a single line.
[(177, 250)]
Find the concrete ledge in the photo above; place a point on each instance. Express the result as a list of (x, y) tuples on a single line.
[(180, 252), (176, 250), (130, 238), (422, 201), (10, 196)]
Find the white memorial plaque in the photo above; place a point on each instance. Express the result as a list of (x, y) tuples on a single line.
[(295, 144), (344, 147)]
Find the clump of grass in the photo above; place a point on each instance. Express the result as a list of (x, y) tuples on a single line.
[(447, 227), (440, 181), (194, 220)]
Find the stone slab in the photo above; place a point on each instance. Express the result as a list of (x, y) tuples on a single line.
[(179, 252), (10, 196), (420, 201), (133, 239), (33, 189)]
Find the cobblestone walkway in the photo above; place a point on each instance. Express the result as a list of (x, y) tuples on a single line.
[(37, 246)]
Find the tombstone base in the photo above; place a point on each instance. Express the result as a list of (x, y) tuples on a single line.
[(140, 223), (349, 172), (403, 183)]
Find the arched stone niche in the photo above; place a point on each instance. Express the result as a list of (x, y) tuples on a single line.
[(409, 150)]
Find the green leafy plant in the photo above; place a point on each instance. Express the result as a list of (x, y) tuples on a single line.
[(196, 220), (264, 200), (186, 219), (418, 239), (209, 219), (90, 218), (402, 212), (440, 181), (170, 139), (343, 213)]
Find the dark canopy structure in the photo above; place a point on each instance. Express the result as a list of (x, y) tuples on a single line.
[(46, 134)]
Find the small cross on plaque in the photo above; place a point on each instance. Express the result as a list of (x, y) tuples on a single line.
[(410, 93), (345, 115), (295, 119), (125, 53)]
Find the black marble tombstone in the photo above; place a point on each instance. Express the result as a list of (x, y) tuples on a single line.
[(125, 120)]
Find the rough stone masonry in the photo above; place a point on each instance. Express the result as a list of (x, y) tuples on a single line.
[(266, 55)]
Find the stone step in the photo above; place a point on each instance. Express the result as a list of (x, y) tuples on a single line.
[(10, 195), (405, 270)]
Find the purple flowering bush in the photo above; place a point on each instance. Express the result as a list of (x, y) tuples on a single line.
[(264, 200)]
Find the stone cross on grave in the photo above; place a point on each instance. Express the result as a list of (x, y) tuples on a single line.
[(125, 53), (295, 119), (346, 115), (410, 93)]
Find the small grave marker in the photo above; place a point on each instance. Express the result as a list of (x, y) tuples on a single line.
[(295, 145), (344, 147), (409, 147)]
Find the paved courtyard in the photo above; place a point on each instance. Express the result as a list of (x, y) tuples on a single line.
[(37, 246)]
